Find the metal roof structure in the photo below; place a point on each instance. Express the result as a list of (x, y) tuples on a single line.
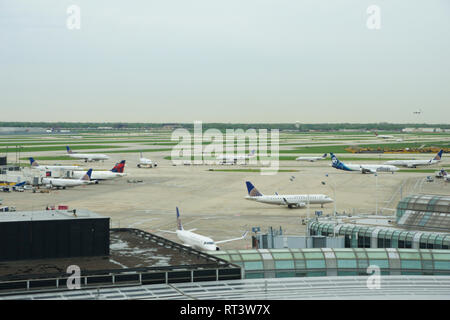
[(317, 288), (361, 236), (313, 262), (427, 212)]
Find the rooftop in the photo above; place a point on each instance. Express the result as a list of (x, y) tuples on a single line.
[(47, 215), (329, 288)]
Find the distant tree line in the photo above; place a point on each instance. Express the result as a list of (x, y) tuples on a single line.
[(301, 127)]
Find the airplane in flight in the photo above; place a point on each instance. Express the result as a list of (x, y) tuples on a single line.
[(86, 156), (59, 183), (312, 159), (291, 201), (233, 159), (381, 136), (197, 241), (363, 168), (35, 165), (116, 172), (417, 163), (146, 163)]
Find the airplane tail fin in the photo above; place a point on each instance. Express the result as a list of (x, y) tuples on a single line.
[(20, 184), (69, 151), (334, 160), (324, 155), (119, 167), (252, 153), (179, 225), (252, 191), (33, 163), (87, 176), (438, 156)]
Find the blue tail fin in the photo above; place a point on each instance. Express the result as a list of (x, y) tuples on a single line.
[(33, 162), (438, 157), (68, 150), (252, 191), (324, 155), (179, 225), (20, 184), (87, 176), (334, 160)]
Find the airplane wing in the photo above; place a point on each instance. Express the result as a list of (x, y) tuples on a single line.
[(228, 240), (166, 231), (299, 204)]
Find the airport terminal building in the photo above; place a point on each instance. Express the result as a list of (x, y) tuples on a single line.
[(416, 217)]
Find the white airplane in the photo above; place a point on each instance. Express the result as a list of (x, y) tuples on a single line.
[(64, 183), (35, 165), (232, 159), (291, 201), (312, 159), (198, 241), (363, 168), (383, 136), (115, 172), (416, 163), (145, 162), (86, 156)]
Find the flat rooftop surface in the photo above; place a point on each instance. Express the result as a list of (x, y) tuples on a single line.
[(127, 250), (47, 215)]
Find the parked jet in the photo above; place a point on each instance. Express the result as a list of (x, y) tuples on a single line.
[(35, 165), (291, 201), (115, 172), (64, 183), (416, 163), (197, 241), (232, 158), (146, 163), (363, 168), (383, 136), (312, 159), (86, 156)]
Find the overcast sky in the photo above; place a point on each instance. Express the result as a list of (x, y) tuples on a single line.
[(225, 61)]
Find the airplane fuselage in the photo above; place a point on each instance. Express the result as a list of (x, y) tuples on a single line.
[(299, 200), (56, 182), (196, 241), (412, 163), (99, 175), (88, 156)]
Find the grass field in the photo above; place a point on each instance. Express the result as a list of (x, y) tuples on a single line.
[(253, 170), (55, 148)]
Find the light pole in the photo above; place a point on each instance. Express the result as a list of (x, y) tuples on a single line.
[(334, 202), (376, 194), (334, 194)]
